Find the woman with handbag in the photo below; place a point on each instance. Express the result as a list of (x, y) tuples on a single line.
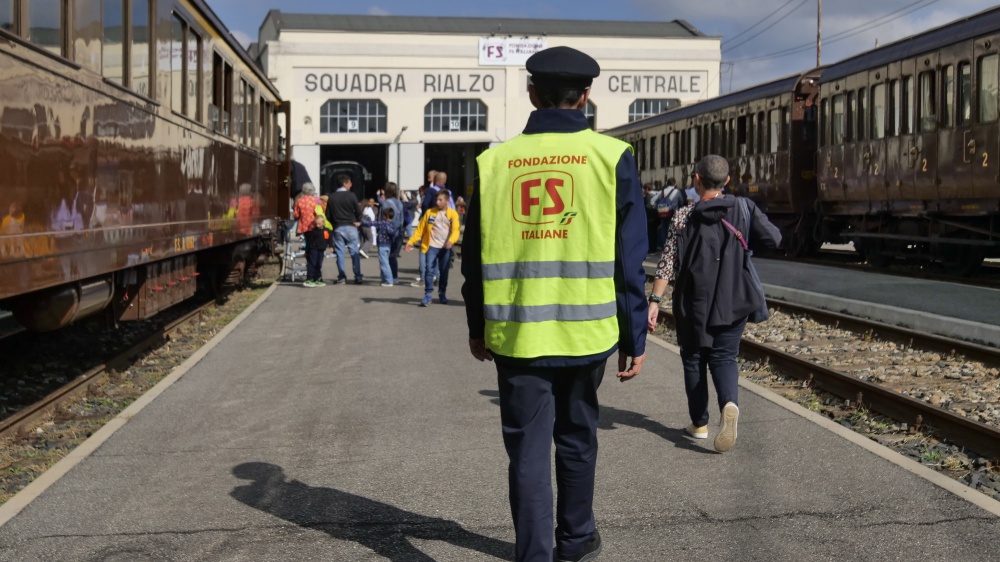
[(716, 291)]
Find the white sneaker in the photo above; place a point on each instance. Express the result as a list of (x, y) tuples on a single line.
[(727, 434), (387, 284), (363, 254)]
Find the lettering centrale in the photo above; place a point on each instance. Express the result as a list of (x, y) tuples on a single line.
[(654, 84)]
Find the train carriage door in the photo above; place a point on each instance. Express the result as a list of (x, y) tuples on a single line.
[(924, 154), (953, 168), (897, 145), (836, 136), (873, 158), (982, 143), (907, 132)]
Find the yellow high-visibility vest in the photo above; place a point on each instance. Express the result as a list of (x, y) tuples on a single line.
[(549, 206)]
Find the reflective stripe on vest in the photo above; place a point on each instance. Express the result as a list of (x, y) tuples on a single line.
[(548, 269), (549, 214)]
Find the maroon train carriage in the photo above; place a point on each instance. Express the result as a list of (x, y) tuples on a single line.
[(910, 146), (768, 134), (138, 153)]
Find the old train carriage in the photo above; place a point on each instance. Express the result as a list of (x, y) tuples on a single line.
[(138, 149), (767, 133), (910, 146)]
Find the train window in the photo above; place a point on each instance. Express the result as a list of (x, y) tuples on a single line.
[(7, 16), (785, 113), (741, 136), (878, 111), (838, 122), (192, 81), (252, 132), (895, 106), (761, 130), (706, 139), (139, 48), (824, 122), (590, 112), (928, 103), (986, 78), (640, 158), (947, 96), (240, 112), (45, 24), (852, 109), (694, 148), (652, 153), (909, 107), (227, 99), (774, 121), (176, 65), (262, 125), (663, 150), (439, 116), (964, 93), (715, 147), (673, 149), (87, 34), (860, 129), (113, 17)]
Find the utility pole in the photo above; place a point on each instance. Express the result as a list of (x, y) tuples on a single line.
[(819, 30)]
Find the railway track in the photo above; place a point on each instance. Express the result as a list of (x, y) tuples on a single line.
[(10, 425), (857, 393)]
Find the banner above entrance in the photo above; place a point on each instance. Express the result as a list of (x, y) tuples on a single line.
[(509, 51)]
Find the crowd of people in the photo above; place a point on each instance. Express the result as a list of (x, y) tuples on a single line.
[(340, 224)]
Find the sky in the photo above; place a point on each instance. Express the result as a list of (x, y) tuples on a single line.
[(762, 39)]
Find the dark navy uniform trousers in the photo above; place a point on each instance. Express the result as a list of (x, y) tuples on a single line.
[(539, 406)]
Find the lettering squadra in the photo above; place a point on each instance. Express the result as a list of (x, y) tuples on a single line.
[(369, 83), (545, 161)]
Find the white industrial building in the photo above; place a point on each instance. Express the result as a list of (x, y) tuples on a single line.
[(404, 94)]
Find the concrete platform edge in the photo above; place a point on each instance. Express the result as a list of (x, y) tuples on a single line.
[(916, 320), (964, 492), (21, 500)]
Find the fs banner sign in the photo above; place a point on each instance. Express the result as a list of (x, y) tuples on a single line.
[(508, 51)]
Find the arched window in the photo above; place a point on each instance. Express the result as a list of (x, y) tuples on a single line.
[(642, 108), (352, 116), (590, 112), (445, 116)]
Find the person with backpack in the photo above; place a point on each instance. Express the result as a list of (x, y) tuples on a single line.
[(667, 203), (707, 260)]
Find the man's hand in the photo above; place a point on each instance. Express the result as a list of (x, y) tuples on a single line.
[(633, 370), (654, 315), (479, 351)]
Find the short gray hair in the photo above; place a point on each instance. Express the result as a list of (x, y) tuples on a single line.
[(713, 171), (308, 189)]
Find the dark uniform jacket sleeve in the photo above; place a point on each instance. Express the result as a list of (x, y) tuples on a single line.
[(472, 270), (631, 244)]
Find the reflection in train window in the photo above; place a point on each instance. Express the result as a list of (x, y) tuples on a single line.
[(663, 150), (964, 93), (774, 118), (852, 109), (113, 16), (878, 112), (741, 136), (7, 16), (824, 122), (192, 82), (860, 131), (176, 62), (986, 78), (139, 51), (947, 96), (652, 153), (87, 34), (894, 108), (838, 123), (694, 152), (908, 105), (928, 99), (45, 24), (673, 149)]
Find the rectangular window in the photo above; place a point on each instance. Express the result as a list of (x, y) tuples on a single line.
[(663, 150), (928, 103), (673, 149), (774, 121), (786, 132), (113, 16), (761, 133), (741, 136), (263, 124), (852, 110), (177, 98), (824, 122), (986, 78), (139, 52), (716, 138), (862, 116), (948, 96), (87, 34), (895, 107), (239, 112), (45, 24), (7, 16), (964, 93), (652, 153), (193, 70), (878, 112), (909, 105), (838, 123)]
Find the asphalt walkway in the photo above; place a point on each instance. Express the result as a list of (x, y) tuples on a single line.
[(345, 423)]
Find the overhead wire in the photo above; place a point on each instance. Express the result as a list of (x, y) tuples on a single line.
[(762, 20), (844, 34), (774, 23)]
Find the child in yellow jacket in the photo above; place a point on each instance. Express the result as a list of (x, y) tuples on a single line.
[(437, 233)]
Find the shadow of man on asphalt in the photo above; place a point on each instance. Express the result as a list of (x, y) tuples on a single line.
[(612, 417), (379, 526)]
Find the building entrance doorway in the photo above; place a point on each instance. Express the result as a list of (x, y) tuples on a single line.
[(458, 160), (337, 158)]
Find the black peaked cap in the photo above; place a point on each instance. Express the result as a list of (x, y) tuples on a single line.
[(562, 63)]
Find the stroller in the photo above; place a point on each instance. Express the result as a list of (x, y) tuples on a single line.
[(293, 265)]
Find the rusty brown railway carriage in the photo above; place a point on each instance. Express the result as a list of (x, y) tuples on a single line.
[(139, 150), (767, 132), (908, 160)]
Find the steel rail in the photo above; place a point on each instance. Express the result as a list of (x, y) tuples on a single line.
[(10, 425), (961, 431)]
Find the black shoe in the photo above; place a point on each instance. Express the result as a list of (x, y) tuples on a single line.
[(358, 281), (589, 552)]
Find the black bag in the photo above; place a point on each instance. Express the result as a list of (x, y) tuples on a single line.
[(762, 313)]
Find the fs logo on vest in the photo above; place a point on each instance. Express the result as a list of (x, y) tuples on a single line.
[(542, 197)]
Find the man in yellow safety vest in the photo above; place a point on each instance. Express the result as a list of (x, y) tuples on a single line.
[(554, 285)]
